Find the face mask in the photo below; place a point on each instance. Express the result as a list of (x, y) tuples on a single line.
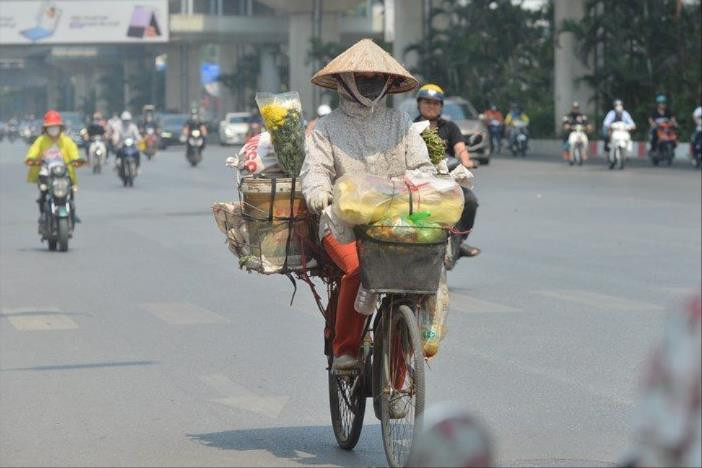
[(618, 108), (53, 131), (370, 88), (126, 123)]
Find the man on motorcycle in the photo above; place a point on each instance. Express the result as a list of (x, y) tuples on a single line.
[(430, 103), (492, 117), (569, 121), (126, 129), (514, 115), (660, 114), (618, 114), (362, 135), (96, 127), (194, 123), (53, 142)]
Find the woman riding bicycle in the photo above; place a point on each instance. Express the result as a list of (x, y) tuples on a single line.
[(361, 136)]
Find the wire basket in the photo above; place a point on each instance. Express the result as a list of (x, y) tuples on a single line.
[(400, 267), (278, 224)]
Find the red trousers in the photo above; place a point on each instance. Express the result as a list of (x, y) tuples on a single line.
[(348, 331)]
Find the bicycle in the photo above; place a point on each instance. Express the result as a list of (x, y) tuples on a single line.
[(391, 369)]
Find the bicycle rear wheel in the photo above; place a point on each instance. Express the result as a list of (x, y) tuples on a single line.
[(347, 402), (402, 383)]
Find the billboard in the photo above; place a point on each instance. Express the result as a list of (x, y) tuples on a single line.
[(83, 21)]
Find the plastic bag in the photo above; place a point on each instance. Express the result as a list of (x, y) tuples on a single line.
[(415, 228), (282, 116), (366, 199), (433, 318), (257, 156)]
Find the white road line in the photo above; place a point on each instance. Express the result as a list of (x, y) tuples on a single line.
[(240, 397), (464, 303), (39, 319), (602, 301), (182, 313)]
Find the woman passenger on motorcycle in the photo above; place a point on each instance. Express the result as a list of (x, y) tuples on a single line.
[(430, 103), (618, 114), (661, 113), (52, 143), (362, 135)]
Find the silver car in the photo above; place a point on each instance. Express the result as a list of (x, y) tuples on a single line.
[(234, 128), (465, 116)]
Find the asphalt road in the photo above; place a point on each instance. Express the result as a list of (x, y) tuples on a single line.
[(146, 345)]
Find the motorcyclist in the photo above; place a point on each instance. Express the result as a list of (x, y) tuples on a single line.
[(148, 118), (126, 129), (194, 123), (361, 136), (568, 123), (660, 114), (515, 114), (617, 114), (52, 143), (322, 110), (696, 140), (430, 103), (492, 113), (96, 128)]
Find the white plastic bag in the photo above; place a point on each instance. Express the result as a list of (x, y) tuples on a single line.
[(257, 156)]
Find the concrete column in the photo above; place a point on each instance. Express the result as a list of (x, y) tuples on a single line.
[(53, 89), (183, 87), (131, 67), (269, 78), (409, 26), (567, 65), (227, 63), (301, 28), (81, 88)]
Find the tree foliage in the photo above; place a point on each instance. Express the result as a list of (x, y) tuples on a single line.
[(492, 50), (642, 47)]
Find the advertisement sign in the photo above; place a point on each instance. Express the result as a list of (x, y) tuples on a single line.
[(83, 21)]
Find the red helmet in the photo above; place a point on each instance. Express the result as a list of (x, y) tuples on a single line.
[(52, 118)]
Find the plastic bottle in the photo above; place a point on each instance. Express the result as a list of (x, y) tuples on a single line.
[(365, 302)]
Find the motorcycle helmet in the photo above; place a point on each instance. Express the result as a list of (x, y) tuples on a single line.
[(52, 118), (431, 92), (661, 99), (126, 115), (576, 105), (323, 110), (618, 105), (97, 116)]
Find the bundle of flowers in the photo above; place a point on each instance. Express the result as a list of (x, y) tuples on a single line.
[(282, 116)]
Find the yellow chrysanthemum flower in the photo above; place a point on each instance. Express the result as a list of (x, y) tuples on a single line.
[(273, 115)]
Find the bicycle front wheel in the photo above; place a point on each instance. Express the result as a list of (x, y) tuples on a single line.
[(347, 403), (402, 384)]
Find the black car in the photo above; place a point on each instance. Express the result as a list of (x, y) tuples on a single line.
[(171, 127)]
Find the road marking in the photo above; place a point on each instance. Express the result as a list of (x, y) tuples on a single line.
[(38, 319), (240, 397), (465, 303), (182, 313), (597, 300)]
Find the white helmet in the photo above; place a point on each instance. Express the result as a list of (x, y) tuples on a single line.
[(323, 110), (126, 115)]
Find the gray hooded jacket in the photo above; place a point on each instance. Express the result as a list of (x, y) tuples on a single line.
[(359, 138)]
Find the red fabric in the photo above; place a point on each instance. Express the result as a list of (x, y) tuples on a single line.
[(349, 323), (52, 118)]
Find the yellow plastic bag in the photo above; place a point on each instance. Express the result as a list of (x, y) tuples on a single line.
[(433, 318), (366, 199)]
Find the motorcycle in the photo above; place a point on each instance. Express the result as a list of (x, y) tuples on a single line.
[(696, 148), (12, 133), (667, 140), (97, 153), (620, 144), (127, 162), (495, 131), (193, 148), (57, 220), (577, 142), (150, 142), (519, 142)]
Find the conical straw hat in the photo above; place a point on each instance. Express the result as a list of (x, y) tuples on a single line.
[(366, 56)]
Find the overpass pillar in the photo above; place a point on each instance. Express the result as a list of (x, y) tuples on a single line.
[(183, 87), (567, 65), (301, 32)]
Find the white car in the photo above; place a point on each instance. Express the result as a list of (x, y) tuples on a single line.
[(234, 127)]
